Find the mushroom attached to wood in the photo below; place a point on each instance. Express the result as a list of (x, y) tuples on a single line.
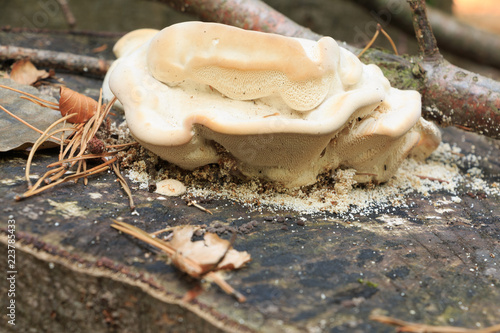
[(287, 109)]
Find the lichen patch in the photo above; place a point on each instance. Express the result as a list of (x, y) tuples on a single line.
[(67, 209)]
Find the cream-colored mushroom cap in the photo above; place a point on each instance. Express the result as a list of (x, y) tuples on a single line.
[(170, 187), (244, 65), (285, 108), (125, 45)]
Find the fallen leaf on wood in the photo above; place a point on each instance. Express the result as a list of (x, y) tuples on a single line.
[(24, 72), (200, 259), (74, 102), (212, 252)]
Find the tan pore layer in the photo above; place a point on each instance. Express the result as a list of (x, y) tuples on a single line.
[(362, 123), (227, 59)]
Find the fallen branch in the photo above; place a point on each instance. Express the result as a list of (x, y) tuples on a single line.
[(451, 34), (454, 96), (450, 95), (89, 33), (58, 60), (246, 14)]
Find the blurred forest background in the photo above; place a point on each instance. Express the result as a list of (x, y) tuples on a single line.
[(347, 20)]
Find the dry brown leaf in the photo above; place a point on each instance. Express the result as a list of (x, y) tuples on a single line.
[(211, 253), (24, 72), (199, 259), (74, 102)]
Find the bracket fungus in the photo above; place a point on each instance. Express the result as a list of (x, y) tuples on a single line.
[(287, 109)]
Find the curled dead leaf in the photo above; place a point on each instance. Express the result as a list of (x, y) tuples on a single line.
[(74, 102), (24, 72), (200, 259), (211, 253)]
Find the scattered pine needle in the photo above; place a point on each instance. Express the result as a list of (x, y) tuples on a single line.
[(467, 129), (87, 115), (374, 38), (124, 185), (271, 115), (200, 207)]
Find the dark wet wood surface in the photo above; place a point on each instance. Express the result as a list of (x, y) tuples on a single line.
[(434, 263)]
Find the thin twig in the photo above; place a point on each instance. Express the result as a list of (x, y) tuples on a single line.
[(68, 15), (90, 172), (217, 279), (390, 40), (423, 30)]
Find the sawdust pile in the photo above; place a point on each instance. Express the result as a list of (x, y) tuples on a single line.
[(336, 193)]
